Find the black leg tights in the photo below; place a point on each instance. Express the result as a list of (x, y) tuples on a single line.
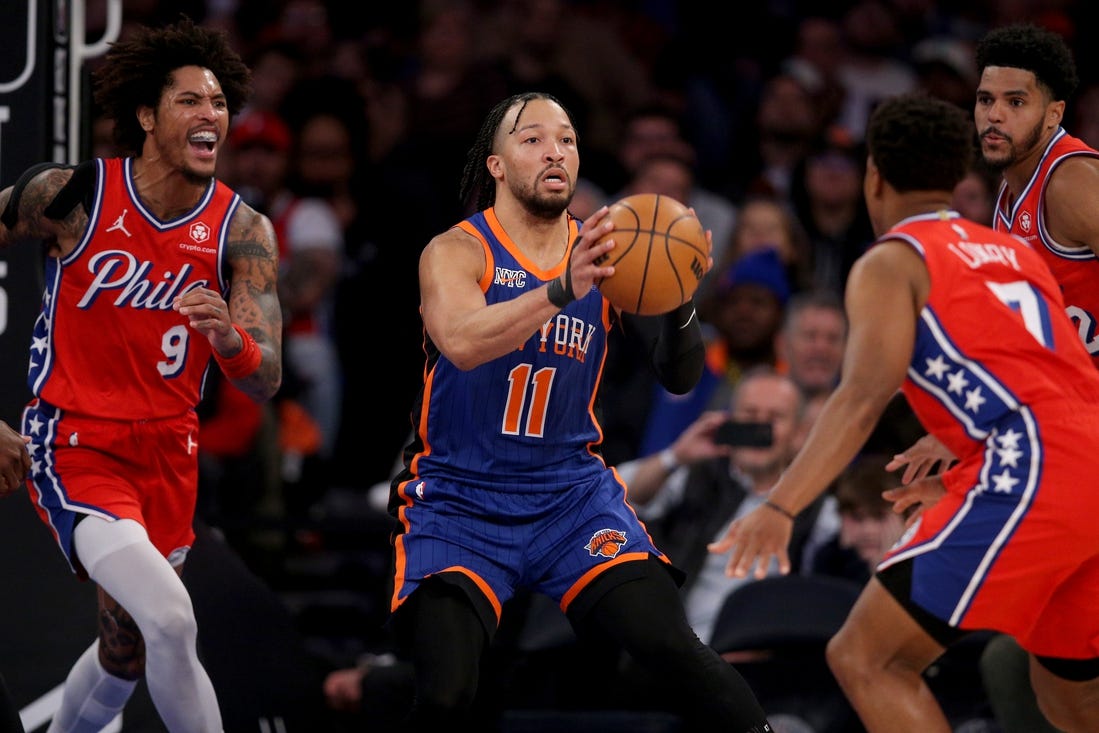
[(645, 617), (447, 641)]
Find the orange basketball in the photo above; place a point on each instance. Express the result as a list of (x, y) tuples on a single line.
[(660, 254)]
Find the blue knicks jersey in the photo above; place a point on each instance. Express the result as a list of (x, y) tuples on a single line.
[(525, 421)]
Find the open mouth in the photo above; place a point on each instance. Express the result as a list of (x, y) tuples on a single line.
[(204, 141)]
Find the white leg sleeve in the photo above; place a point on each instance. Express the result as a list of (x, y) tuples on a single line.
[(127, 566), (92, 697)]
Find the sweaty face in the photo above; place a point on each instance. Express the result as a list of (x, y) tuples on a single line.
[(190, 122), (1012, 115), (536, 156)]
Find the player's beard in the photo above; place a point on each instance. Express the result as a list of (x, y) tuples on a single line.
[(999, 164), (544, 206)]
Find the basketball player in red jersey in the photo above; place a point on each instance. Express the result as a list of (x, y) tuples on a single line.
[(155, 273), (971, 325), (1049, 194), (1050, 190)]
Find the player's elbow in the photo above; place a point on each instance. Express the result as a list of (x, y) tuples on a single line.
[(681, 374), (465, 353), (465, 360)]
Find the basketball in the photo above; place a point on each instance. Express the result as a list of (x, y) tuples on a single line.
[(659, 257)]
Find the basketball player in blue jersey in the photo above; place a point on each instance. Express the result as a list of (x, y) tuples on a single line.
[(504, 486)]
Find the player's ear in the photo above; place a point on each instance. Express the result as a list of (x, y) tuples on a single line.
[(146, 118), (1055, 113)]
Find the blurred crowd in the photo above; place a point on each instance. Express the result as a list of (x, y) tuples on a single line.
[(354, 145)]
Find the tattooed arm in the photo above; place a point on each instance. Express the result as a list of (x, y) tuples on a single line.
[(253, 306), (26, 213), (253, 298)]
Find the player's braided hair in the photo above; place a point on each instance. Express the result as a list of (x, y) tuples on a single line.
[(478, 187), (920, 143), (137, 70), (1031, 48)]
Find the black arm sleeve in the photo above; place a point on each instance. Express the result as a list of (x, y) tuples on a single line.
[(673, 342), (80, 189), (10, 215)]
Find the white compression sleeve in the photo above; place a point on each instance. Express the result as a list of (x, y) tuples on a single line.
[(135, 574), (92, 697)]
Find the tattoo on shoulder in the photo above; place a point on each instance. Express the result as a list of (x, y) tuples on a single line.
[(251, 235)]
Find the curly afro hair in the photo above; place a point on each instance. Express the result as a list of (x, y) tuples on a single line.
[(1031, 48), (136, 72), (921, 143)]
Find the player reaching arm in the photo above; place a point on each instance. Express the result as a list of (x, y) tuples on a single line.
[(885, 291)]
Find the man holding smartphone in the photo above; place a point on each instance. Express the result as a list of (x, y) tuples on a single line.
[(721, 467)]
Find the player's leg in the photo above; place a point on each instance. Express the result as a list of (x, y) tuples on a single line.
[(1067, 691), (147, 623), (444, 634), (92, 696), (878, 658), (1067, 685), (1005, 675), (643, 612)]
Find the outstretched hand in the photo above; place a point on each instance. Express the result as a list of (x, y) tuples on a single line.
[(920, 459), (912, 500), (753, 541)]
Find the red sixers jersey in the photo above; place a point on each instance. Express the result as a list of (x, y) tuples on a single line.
[(987, 343), (1076, 268), (107, 342), (999, 375)]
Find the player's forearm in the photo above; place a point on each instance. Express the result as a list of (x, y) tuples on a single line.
[(490, 332), (264, 382), (840, 431), (255, 366)]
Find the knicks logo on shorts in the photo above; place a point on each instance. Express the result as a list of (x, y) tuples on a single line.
[(606, 543)]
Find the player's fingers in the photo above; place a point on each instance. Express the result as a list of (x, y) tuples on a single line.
[(742, 559), (783, 561), (902, 498), (763, 563), (899, 461), (917, 470), (720, 547)]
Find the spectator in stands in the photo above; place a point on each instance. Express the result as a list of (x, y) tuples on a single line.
[(741, 317), (691, 490), (812, 341), (827, 198), (868, 525), (767, 222)]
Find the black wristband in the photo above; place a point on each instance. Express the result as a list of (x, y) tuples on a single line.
[(784, 512), (557, 294)]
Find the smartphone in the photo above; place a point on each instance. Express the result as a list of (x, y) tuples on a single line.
[(744, 434)]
